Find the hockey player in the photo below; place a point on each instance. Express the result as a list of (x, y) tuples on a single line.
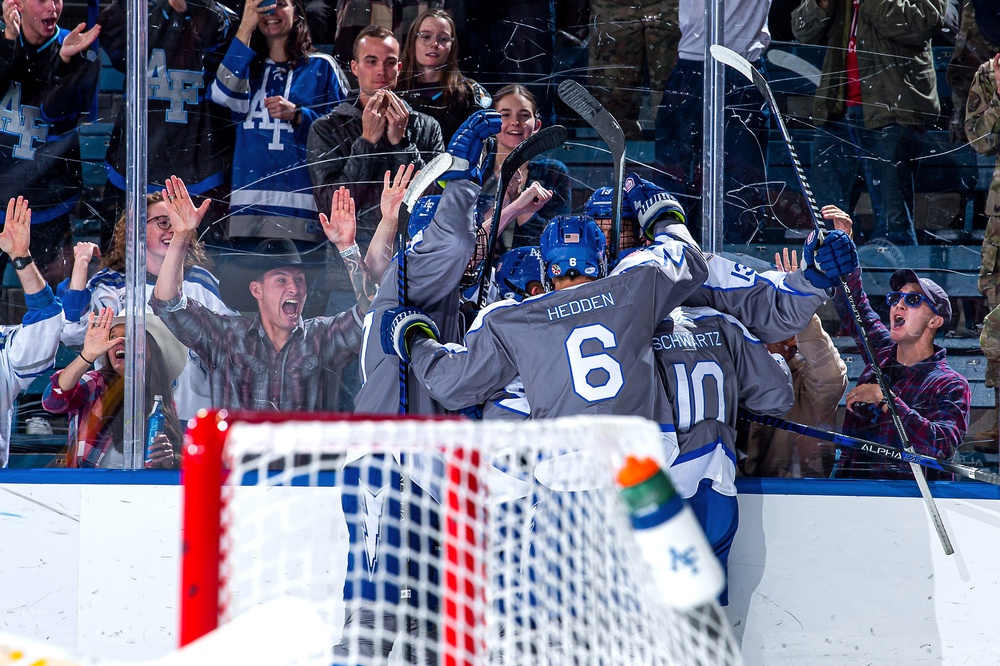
[(29, 350), (591, 349), (47, 79), (519, 273)]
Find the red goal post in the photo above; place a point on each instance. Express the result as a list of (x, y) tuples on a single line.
[(502, 566)]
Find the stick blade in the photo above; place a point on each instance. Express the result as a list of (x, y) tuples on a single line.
[(426, 177), (546, 139), (732, 59), (587, 107)]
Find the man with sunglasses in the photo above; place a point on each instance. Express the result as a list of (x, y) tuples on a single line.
[(931, 398)]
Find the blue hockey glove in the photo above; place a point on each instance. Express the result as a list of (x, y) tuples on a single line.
[(399, 324), (466, 146), (651, 204), (829, 257)]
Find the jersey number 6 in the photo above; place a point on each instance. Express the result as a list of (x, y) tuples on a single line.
[(581, 366)]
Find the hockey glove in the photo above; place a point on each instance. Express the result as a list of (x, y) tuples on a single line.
[(398, 327), (828, 257), (466, 146), (651, 204)]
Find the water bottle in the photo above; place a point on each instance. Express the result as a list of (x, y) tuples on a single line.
[(672, 542), (155, 426)]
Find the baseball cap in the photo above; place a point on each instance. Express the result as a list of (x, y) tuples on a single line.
[(934, 293)]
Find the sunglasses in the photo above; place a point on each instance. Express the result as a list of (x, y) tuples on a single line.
[(912, 299), (161, 221)]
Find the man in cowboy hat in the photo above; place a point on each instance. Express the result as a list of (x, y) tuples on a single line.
[(274, 360)]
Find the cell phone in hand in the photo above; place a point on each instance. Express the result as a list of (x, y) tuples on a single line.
[(267, 6)]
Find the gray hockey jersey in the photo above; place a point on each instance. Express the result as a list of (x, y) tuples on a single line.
[(773, 305), (709, 365), (435, 261), (581, 350)]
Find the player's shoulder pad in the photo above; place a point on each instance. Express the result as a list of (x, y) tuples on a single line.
[(480, 319), (702, 313)]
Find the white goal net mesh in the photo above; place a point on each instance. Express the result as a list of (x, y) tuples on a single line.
[(455, 542)]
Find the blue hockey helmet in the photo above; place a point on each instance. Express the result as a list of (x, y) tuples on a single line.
[(517, 269), (422, 214), (598, 206), (573, 245)]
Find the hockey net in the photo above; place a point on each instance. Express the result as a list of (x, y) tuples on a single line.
[(519, 550)]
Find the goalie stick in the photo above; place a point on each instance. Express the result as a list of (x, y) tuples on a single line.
[(890, 452), (586, 105), (540, 142), (743, 66)]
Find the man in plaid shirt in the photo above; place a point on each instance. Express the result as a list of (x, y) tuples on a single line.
[(931, 398), (275, 360)]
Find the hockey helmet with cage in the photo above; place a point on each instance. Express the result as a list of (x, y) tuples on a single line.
[(599, 206), (422, 214), (517, 269), (573, 245)]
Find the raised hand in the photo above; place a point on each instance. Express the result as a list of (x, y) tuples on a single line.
[(248, 23), (97, 341), (341, 224), (11, 19), (784, 263), (392, 192), (15, 239), (467, 145), (373, 118), (184, 217), (78, 40), (841, 220), (397, 116), (83, 254)]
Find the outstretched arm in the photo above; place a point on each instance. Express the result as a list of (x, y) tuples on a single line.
[(184, 220), (15, 240), (339, 227)]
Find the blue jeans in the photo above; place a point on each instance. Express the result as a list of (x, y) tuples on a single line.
[(846, 155), (679, 147)]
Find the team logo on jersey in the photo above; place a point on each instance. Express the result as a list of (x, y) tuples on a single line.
[(260, 118), (24, 122), (372, 503), (177, 86)]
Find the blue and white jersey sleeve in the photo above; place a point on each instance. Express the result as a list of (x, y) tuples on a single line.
[(31, 348), (231, 87)]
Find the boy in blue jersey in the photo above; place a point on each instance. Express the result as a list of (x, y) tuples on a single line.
[(47, 79)]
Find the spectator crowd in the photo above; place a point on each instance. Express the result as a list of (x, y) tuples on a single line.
[(282, 136)]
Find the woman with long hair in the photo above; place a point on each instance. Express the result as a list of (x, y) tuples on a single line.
[(430, 80), (275, 84), (96, 395), (106, 289), (519, 116)]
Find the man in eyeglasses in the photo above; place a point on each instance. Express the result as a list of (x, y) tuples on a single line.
[(931, 398)]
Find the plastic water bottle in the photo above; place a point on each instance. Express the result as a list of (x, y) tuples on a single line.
[(155, 427), (672, 542)]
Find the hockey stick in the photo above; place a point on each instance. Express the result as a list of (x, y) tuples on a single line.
[(577, 98), (741, 65), (540, 142), (891, 452)]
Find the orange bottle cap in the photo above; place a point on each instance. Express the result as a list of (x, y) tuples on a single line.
[(636, 471)]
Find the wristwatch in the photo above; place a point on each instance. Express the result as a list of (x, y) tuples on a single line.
[(20, 263)]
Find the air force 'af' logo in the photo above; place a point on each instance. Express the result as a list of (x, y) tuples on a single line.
[(177, 86), (24, 122), (372, 505)]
